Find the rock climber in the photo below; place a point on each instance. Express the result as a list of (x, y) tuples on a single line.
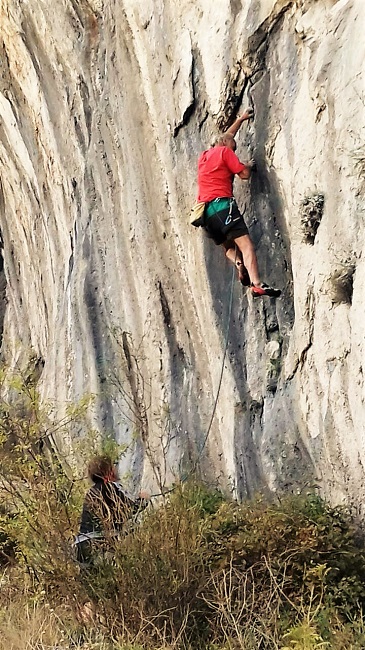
[(222, 219), (106, 509)]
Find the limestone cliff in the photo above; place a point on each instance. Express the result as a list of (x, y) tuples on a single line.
[(104, 108)]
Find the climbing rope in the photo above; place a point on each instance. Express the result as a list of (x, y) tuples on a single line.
[(205, 440), (222, 369), (196, 462)]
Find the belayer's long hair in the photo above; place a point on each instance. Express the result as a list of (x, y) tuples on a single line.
[(102, 468)]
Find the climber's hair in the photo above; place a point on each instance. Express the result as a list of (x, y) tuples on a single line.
[(101, 467), (222, 139)]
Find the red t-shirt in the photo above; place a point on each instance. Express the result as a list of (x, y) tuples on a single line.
[(216, 169)]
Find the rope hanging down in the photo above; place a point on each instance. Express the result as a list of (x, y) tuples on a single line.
[(196, 462), (221, 372)]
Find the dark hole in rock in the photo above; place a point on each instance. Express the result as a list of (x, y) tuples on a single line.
[(341, 285)]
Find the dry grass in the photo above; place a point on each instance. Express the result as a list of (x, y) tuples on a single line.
[(27, 625), (200, 572)]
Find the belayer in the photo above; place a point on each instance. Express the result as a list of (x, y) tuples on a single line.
[(106, 510), (221, 218)]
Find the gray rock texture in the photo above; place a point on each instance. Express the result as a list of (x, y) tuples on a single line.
[(105, 106)]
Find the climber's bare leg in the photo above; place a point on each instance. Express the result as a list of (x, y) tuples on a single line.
[(247, 251), (234, 255)]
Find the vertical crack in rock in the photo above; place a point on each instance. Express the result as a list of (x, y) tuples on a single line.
[(249, 468), (188, 89), (94, 313), (3, 299), (138, 398), (177, 355), (232, 94), (181, 375), (309, 315), (254, 60), (164, 305), (75, 4)]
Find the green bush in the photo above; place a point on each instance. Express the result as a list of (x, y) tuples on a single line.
[(40, 498), (199, 571), (202, 570)]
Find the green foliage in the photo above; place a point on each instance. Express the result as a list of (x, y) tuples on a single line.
[(304, 637), (40, 498), (198, 572), (202, 570)]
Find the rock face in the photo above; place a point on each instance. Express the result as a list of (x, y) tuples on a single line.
[(105, 106)]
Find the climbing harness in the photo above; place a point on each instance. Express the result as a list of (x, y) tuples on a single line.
[(229, 217)]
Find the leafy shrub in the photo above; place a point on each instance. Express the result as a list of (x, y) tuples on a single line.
[(199, 575), (40, 498), (199, 571)]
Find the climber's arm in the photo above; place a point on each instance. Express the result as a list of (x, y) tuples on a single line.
[(246, 172), (239, 121)]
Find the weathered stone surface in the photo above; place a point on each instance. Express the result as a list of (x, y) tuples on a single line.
[(104, 108)]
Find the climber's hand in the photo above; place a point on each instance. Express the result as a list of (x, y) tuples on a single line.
[(251, 164), (249, 112)]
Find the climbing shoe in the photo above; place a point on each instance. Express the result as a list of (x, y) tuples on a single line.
[(264, 290)]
